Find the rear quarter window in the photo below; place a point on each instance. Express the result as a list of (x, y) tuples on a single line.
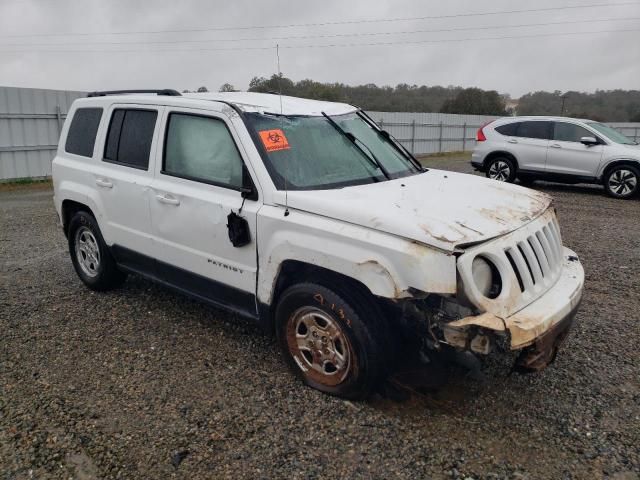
[(81, 136), (508, 129)]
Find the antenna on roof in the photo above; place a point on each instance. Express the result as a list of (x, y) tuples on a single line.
[(286, 189)]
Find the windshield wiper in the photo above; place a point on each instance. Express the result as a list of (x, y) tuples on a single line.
[(370, 156), (391, 139)]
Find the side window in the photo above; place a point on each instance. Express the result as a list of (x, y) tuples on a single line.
[(130, 136), (569, 132), (202, 149), (534, 129), (82, 132), (508, 129)]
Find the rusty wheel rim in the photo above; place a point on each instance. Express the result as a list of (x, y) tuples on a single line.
[(319, 346)]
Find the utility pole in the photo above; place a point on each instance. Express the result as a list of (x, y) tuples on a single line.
[(563, 97)]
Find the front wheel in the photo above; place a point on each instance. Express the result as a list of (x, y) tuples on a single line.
[(622, 181), (327, 342), (501, 169)]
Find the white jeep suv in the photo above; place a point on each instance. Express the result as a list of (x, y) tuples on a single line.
[(308, 218), (558, 149)]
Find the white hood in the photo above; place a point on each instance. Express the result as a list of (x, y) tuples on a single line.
[(619, 149), (438, 208)]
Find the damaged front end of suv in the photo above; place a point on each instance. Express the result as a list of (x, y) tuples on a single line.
[(517, 292)]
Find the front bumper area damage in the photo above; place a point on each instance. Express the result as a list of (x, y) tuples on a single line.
[(537, 330)]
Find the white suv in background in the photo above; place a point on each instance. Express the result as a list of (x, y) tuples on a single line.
[(558, 149), (308, 218)]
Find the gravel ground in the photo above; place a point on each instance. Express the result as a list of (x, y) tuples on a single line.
[(143, 383)]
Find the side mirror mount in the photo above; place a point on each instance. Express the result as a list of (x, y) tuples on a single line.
[(589, 141), (249, 193)]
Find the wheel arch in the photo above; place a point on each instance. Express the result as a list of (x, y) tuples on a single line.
[(292, 272), (69, 209), (617, 162), (72, 196)]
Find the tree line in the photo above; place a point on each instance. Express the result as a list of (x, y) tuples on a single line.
[(602, 105)]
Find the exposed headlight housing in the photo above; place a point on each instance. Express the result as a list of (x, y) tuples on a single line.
[(486, 277)]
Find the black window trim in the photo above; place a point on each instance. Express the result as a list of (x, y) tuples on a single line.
[(115, 108), (95, 139), (246, 176)]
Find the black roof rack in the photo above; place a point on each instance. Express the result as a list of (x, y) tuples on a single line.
[(166, 92)]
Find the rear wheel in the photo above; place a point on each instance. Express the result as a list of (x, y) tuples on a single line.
[(622, 181), (90, 255), (502, 169), (330, 341)]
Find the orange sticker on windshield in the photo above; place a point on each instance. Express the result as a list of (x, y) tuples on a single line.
[(274, 140)]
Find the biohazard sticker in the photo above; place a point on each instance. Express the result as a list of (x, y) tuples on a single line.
[(274, 140)]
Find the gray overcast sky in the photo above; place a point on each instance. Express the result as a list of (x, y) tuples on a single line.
[(517, 65)]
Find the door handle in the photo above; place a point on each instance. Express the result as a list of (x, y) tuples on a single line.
[(555, 145), (168, 199), (512, 140), (101, 182)]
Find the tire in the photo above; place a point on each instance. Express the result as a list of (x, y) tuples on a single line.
[(622, 181), (90, 255), (326, 341), (502, 169)]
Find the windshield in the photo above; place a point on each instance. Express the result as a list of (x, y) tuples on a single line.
[(307, 153), (611, 134)]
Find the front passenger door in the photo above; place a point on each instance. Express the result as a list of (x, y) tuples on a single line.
[(199, 183), (568, 156)]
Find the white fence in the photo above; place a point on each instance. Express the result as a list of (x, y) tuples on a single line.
[(31, 119)]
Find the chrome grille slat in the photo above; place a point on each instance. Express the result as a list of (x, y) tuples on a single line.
[(540, 255), (529, 259), (552, 249), (537, 259), (532, 260), (523, 270), (555, 231), (546, 248), (552, 244)]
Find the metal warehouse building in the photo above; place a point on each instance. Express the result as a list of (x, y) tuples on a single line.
[(30, 123)]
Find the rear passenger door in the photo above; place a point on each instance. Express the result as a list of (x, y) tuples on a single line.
[(199, 181), (530, 144), (568, 156), (123, 177)]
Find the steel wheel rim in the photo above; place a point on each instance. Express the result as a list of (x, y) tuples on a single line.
[(87, 252), (319, 346), (622, 182), (499, 171)]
